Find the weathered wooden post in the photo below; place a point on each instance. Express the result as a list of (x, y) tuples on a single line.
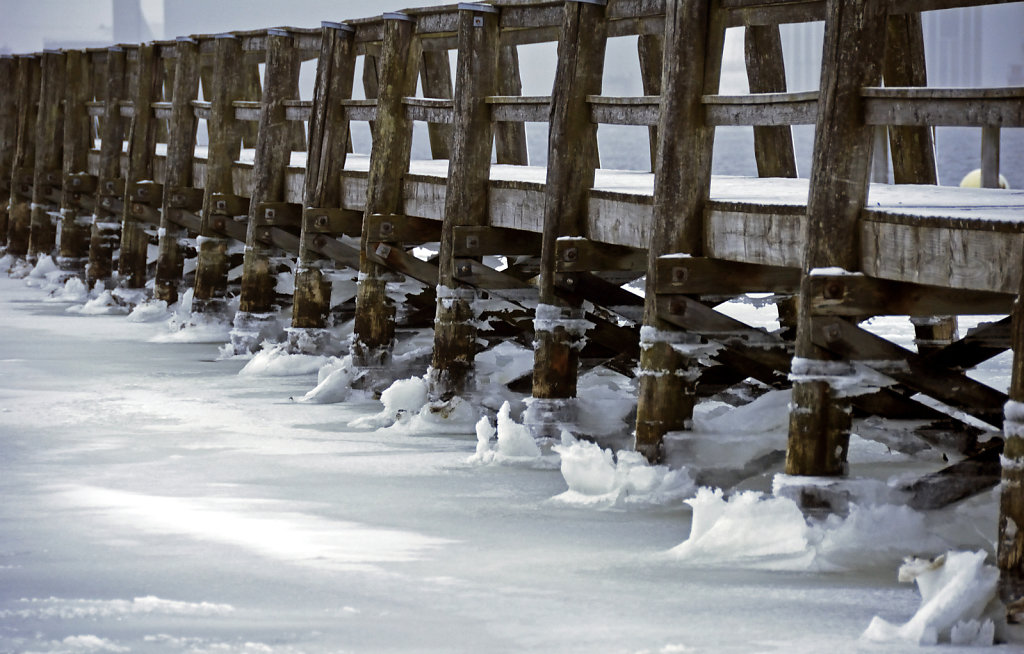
[(819, 419), (322, 192), (1010, 541), (79, 185), (559, 327), (23, 171), (8, 136), (466, 195), (766, 73), (913, 152), (374, 332), (510, 137), (651, 51), (141, 194), (273, 151), (436, 78), (694, 37), (106, 226), (220, 204), (47, 178), (178, 194)]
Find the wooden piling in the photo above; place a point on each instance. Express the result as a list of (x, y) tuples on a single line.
[(374, 330), (1010, 540), (76, 194), (23, 171), (819, 426), (181, 146), (141, 153), (8, 136), (682, 180), (572, 162), (47, 178), (106, 227), (465, 196), (225, 142), (328, 138), (273, 152)]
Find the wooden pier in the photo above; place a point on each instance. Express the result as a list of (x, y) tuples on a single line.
[(127, 197)]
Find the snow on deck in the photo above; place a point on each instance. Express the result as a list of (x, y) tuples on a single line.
[(906, 199)]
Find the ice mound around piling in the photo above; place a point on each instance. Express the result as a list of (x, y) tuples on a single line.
[(102, 302), (187, 326), (73, 291), (151, 310), (274, 360), (509, 443), (333, 383), (958, 603), (756, 531), (597, 477), (407, 410)]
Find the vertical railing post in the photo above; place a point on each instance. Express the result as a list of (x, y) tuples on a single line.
[(328, 138), (651, 51), (23, 171), (990, 156), (766, 73), (374, 331), (819, 419), (572, 161), (465, 197), (510, 138), (913, 152), (181, 147), (47, 178), (106, 226), (436, 78), (694, 37)]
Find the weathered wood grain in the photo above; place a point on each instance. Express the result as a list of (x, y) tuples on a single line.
[(141, 152), (49, 159), (510, 138), (819, 424), (328, 138), (78, 140), (273, 152), (695, 34), (374, 330), (465, 197), (178, 171), (572, 160), (225, 144), (106, 229), (23, 166), (766, 73)]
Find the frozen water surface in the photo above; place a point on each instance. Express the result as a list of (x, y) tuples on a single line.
[(154, 500)]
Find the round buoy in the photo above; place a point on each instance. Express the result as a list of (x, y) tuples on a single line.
[(973, 180)]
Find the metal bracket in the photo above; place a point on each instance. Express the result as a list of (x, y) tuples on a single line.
[(337, 26)]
